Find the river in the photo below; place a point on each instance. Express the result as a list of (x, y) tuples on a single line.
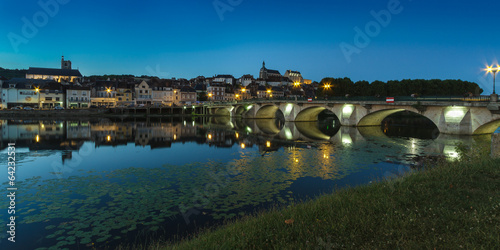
[(86, 183)]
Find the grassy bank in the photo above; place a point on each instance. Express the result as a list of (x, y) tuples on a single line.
[(454, 205)]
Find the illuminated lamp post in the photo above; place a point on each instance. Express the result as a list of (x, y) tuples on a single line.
[(494, 71)]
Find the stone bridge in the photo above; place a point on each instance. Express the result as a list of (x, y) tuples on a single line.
[(461, 118)]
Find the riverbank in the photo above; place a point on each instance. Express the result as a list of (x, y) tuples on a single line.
[(101, 112), (453, 205)]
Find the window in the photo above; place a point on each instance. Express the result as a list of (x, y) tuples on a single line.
[(48, 98), (57, 98)]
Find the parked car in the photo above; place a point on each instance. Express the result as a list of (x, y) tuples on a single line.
[(141, 106), (16, 108), (58, 108), (131, 105), (28, 108)]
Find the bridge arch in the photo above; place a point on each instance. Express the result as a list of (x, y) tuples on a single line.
[(376, 118), (267, 112), (488, 128), (223, 111), (309, 114), (239, 110)]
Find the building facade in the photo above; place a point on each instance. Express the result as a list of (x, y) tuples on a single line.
[(77, 97)]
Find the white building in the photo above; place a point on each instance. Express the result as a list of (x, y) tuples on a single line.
[(224, 79), (77, 97), (21, 92)]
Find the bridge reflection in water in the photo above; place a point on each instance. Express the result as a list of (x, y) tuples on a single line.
[(70, 135), (273, 129)]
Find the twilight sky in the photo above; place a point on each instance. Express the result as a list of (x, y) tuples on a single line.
[(421, 39)]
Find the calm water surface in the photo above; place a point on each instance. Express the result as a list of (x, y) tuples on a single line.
[(101, 183)]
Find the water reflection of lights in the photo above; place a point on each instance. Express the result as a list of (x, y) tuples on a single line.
[(37, 138), (249, 130), (242, 146), (268, 144), (288, 134), (175, 137), (108, 138), (209, 136), (325, 156), (237, 135), (346, 139), (450, 152), (413, 146)]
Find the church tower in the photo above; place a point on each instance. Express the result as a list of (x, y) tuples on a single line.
[(65, 64), (263, 71)]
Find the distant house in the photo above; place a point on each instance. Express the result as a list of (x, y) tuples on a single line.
[(263, 92), (246, 80), (77, 96), (201, 90), (294, 76), (277, 92), (64, 74), (185, 96), (216, 92), (162, 95), (224, 79), (143, 93), (229, 96), (124, 94), (104, 94), (52, 95)]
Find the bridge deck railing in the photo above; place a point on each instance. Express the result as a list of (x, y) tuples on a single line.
[(382, 99), (364, 99)]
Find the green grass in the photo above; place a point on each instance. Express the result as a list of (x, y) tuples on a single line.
[(453, 205)]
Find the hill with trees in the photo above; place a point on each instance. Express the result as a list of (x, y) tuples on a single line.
[(13, 73)]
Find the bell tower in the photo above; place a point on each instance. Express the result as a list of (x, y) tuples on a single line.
[(263, 71), (65, 64)]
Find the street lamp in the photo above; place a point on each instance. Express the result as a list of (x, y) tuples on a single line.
[(494, 71)]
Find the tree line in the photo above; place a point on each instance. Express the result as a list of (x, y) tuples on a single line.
[(416, 87)]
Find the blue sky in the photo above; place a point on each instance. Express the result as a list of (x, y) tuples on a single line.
[(424, 39)]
